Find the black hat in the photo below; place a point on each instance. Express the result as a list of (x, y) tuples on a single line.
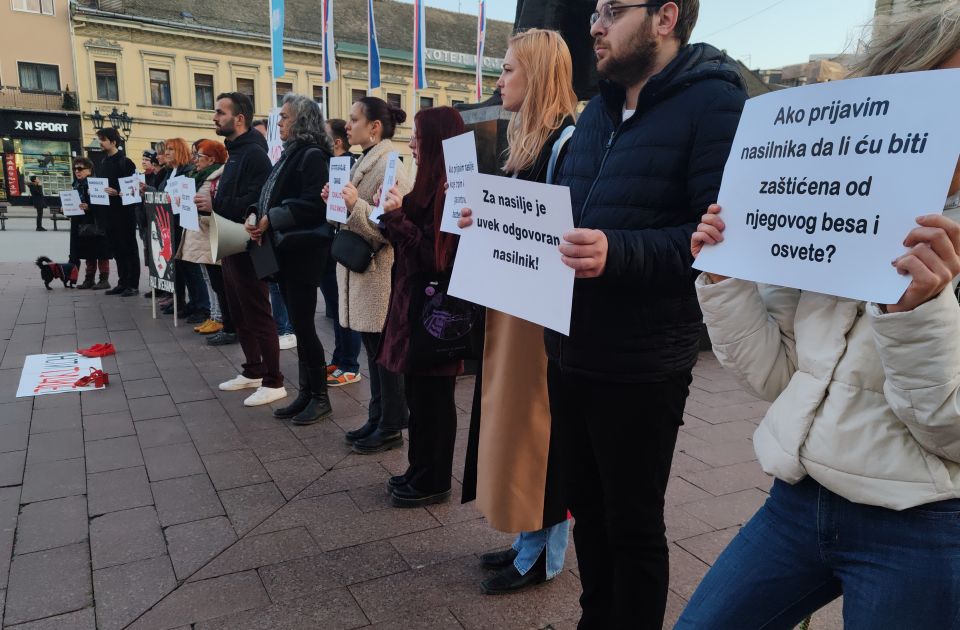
[(151, 155)]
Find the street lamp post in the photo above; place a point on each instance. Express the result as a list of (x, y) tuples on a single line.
[(120, 121), (97, 119)]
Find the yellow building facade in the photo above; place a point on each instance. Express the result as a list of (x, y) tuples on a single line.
[(165, 73)]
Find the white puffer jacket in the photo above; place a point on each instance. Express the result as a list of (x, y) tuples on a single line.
[(866, 403)]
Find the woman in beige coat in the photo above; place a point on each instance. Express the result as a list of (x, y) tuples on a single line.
[(863, 436), (364, 297)]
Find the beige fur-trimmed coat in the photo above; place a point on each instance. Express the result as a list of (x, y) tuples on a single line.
[(364, 297)]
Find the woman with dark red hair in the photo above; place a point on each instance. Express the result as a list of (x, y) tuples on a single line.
[(412, 225)]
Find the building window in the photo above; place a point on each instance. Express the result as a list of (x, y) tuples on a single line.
[(455, 102), (106, 81), (395, 100), (426, 102), (282, 90), (246, 86), (39, 77), (34, 6), (318, 94), (160, 87), (203, 90), (356, 95)]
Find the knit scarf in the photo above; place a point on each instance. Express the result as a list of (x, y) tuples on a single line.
[(201, 175)]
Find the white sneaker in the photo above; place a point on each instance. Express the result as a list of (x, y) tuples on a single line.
[(265, 396), (240, 382), (288, 341)]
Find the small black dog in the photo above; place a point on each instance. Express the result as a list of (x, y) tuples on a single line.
[(65, 272)]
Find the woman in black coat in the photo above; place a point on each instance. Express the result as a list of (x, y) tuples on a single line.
[(293, 216), (88, 235)]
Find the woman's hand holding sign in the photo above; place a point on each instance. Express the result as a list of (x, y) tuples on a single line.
[(585, 251), (709, 232), (932, 262)]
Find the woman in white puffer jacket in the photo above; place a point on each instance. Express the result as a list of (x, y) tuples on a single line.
[(863, 436)]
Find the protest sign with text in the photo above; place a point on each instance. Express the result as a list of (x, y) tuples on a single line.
[(70, 203), (57, 373), (389, 179), (97, 188), (824, 182), (509, 259), (189, 216), (460, 160), (130, 190), (339, 176)]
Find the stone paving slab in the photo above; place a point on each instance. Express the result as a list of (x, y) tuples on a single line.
[(163, 503)]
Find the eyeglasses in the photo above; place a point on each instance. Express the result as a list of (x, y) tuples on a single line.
[(609, 12), (200, 155), (79, 168)]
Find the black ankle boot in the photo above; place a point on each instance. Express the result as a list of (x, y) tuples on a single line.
[(364, 431), (317, 409), (509, 580), (378, 441), (88, 282), (301, 401)]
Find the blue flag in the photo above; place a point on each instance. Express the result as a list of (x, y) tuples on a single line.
[(373, 49), (276, 37)]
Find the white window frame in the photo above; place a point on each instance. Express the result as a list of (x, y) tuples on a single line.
[(23, 8)]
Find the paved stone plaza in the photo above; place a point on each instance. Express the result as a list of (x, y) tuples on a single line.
[(162, 502)]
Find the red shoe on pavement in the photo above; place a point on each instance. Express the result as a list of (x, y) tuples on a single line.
[(97, 378), (98, 350)]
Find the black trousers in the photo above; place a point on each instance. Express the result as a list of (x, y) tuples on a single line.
[(39, 209), (215, 273), (433, 431), (122, 232), (388, 405), (301, 302), (617, 442), (249, 301)]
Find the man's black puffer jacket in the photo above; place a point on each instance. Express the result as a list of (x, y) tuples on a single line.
[(645, 183), (247, 168)]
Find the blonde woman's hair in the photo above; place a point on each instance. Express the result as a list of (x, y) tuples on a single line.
[(923, 42), (550, 98)]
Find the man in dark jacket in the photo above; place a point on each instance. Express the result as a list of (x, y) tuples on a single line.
[(644, 163), (248, 299), (121, 220), (36, 198)]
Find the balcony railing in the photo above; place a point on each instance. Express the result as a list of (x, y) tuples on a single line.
[(17, 98)]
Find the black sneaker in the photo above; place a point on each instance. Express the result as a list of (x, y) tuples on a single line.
[(117, 290), (222, 339), (129, 293)]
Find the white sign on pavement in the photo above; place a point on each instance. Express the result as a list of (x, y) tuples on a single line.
[(824, 182), (55, 373), (509, 259), (460, 160)]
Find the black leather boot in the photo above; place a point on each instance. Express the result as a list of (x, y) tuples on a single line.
[(318, 407), (378, 441), (365, 430), (303, 396), (498, 559), (88, 281), (509, 580)]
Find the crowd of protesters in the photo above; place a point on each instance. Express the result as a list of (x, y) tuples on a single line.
[(865, 501)]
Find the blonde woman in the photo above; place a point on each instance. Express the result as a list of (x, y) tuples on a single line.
[(863, 433), (364, 297), (511, 445)]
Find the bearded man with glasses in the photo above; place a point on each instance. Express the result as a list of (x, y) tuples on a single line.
[(644, 164)]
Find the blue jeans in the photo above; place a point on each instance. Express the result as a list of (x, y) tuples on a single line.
[(346, 342), (196, 287), (806, 546), (280, 317), (529, 546)]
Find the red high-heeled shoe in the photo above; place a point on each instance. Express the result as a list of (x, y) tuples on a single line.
[(98, 350), (97, 378)]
